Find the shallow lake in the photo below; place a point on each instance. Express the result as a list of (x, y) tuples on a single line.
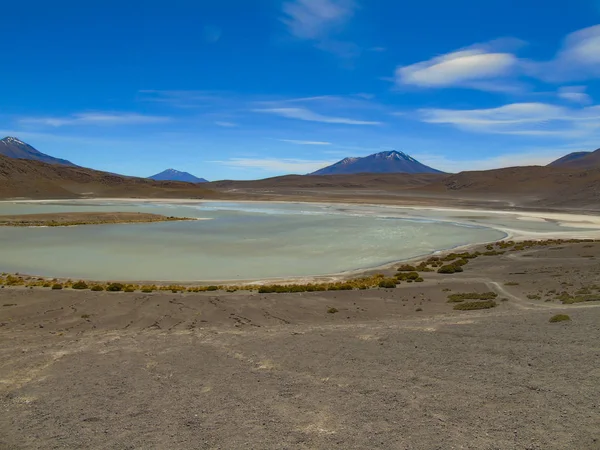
[(239, 241)]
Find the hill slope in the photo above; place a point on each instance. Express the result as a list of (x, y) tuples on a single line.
[(14, 148), (176, 175), (580, 160), (35, 179), (383, 162)]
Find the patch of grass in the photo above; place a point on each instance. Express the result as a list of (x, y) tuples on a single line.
[(80, 285), (461, 297), (115, 287), (388, 283), (129, 289), (580, 299), (10, 304), (511, 283), (332, 310), (410, 276), (534, 297), (559, 318), (450, 268), (97, 288), (471, 306)]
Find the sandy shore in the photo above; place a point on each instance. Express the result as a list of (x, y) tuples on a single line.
[(66, 219)]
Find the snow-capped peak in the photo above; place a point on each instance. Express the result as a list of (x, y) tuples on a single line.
[(12, 140)]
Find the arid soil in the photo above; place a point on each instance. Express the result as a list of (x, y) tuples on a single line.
[(391, 369), (82, 218)]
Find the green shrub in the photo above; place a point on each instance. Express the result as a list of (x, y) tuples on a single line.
[(460, 297), (212, 288), (450, 268), (406, 268), (57, 286), (387, 283), (114, 287), (470, 306), (147, 290), (80, 285), (534, 297), (559, 318), (96, 288), (129, 289), (332, 310)]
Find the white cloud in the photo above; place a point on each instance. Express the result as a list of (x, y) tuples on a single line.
[(96, 119), (495, 67), (225, 124), (536, 119), (319, 21), (299, 142), (459, 68), (308, 115), (578, 59), (315, 19), (574, 94), (275, 165), (522, 158)]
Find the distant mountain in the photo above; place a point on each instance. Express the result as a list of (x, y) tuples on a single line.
[(176, 175), (578, 160), (383, 162), (14, 148), (22, 178)]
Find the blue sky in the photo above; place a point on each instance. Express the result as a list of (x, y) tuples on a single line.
[(248, 89)]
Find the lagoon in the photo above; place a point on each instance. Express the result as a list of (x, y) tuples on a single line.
[(239, 241)]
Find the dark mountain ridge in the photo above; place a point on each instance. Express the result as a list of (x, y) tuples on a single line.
[(12, 147), (176, 175), (383, 162)]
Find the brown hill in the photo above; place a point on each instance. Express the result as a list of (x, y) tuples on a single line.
[(35, 179), (528, 187), (578, 160)]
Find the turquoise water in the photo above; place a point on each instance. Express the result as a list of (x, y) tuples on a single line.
[(240, 241)]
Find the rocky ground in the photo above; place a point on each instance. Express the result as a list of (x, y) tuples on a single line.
[(392, 368)]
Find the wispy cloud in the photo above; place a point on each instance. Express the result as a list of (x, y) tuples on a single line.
[(512, 159), (494, 66), (577, 59), (489, 67), (226, 124), (310, 116), (95, 118), (183, 99), (274, 165), (575, 94), (535, 119), (320, 21), (299, 142), (458, 69)]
